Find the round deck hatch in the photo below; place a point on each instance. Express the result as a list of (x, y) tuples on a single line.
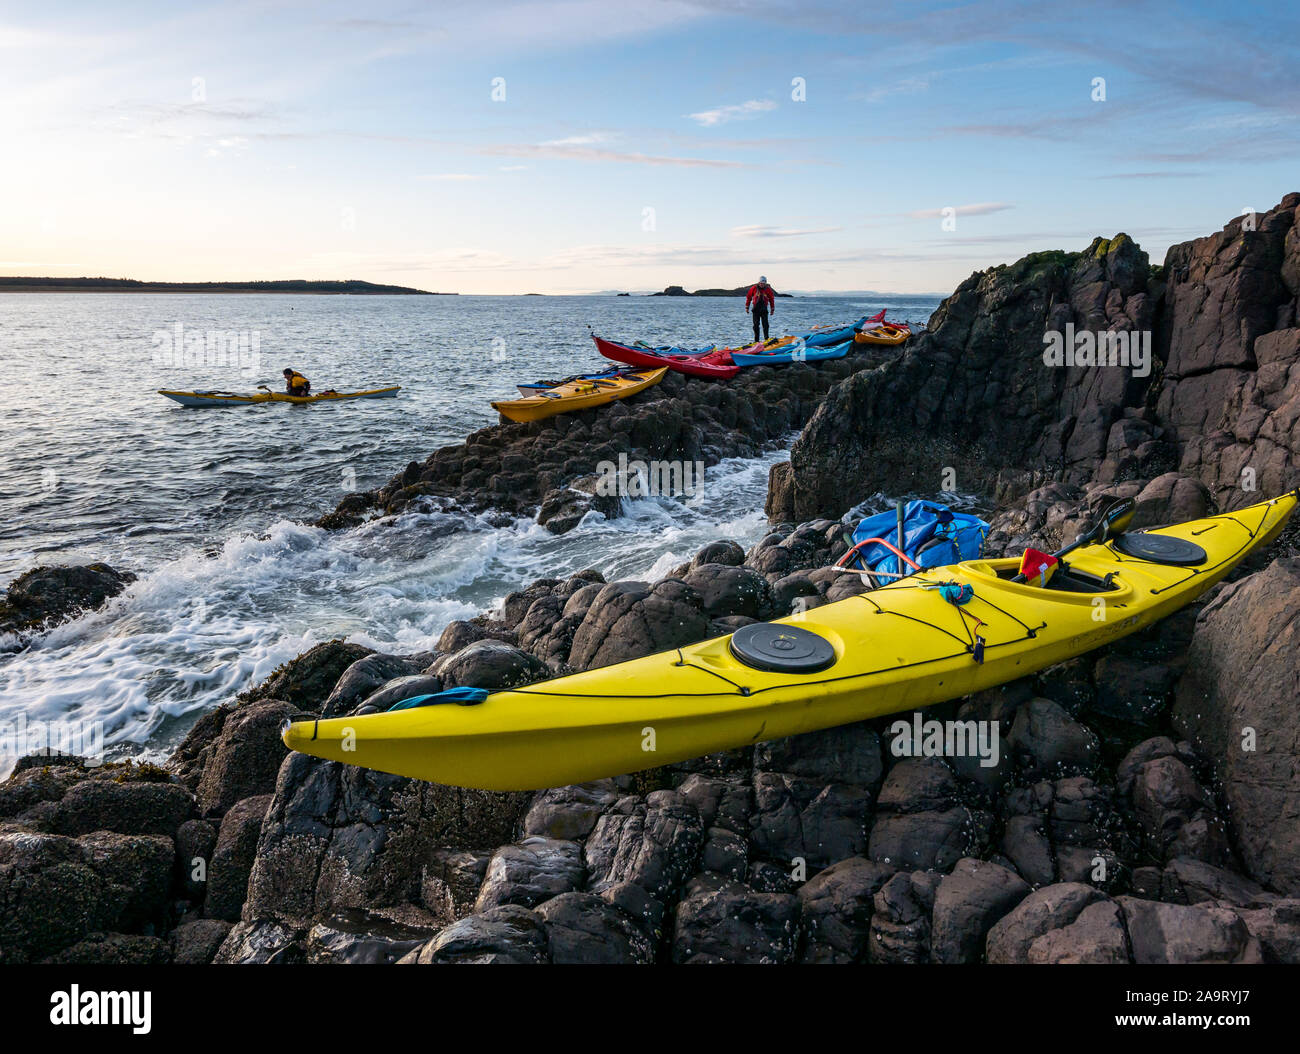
[(781, 649), (1161, 549)]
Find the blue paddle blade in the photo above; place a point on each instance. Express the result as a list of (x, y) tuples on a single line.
[(459, 696)]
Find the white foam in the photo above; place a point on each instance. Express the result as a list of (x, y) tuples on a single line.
[(193, 633)]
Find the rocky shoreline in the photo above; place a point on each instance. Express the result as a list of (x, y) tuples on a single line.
[(1130, 818), (549, 468)]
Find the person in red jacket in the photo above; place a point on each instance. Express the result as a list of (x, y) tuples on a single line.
[(761, 299)]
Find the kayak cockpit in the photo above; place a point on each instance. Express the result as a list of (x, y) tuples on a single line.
[(1068, 579)]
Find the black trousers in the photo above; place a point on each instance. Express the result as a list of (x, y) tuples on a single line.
[(760, 314)]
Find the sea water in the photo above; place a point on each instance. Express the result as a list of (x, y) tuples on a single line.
[(210, 507)]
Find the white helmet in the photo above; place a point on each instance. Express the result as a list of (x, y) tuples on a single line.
[(762, 279)]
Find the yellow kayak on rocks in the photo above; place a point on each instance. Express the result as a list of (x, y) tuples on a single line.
[(237, 399), (908, 644), (579, 393), (884, 333)]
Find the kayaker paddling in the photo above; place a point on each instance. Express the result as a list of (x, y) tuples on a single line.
[(761, 300), (295, 383)]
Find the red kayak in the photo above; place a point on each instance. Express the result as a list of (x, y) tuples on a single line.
[(696, 365)]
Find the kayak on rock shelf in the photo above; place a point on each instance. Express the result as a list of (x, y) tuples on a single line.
[(886, 333), (694, 363), (937, 634), (792, 352), (579, 393)]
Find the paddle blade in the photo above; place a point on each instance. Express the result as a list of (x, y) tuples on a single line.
[(1116, 519)]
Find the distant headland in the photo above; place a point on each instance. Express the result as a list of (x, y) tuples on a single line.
[(676, 290), (131, 285)]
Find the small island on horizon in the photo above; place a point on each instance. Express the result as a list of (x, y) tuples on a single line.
[(19, 284), (677, 290)]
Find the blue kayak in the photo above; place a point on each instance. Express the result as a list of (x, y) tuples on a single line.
[(792, 353), (822, 338)]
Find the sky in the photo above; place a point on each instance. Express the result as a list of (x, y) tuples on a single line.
[(573, 146)]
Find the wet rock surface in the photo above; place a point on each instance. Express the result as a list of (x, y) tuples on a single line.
[(45, 596)]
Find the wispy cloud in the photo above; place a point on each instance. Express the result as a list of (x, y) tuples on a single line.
[(561, 152), (1150, 175), (739, 112), (982, 208), (755, 230), (685, 256), (906, 86), (450, 177), (585, 139)]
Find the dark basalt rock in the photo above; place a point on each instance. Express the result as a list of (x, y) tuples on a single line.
[(243, 761), (399, 689), (307, 680), (366, 676), (44, 596), (724, 552), (585, 928), (652, 843), (836, 910), (338, 838), (630, 619), (114, 949), (490, 664), (966, 905), (569, 812), (1176, 933), (357, 938), (58, 890), (262, 942), (1097, 936), (195, 841), (507, 934), (530, 872), (1042, 911), (195, 942), (127, 808), (565, 507), (900, 918), (973, 392), (1050, 741), (232, 858), (736, 925), (728, 590), (1242, 662)]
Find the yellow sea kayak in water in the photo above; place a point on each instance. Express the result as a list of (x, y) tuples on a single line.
[(237, 399), (908, 644), (580, 393)]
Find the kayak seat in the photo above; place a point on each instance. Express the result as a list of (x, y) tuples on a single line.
[(1067, 580)]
